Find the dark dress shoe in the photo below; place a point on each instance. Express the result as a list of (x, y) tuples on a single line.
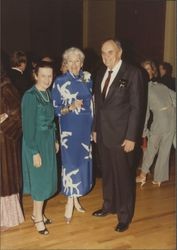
[(121, 227), (100, 213)]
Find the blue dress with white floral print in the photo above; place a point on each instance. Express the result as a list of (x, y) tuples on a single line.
[(75, 132)]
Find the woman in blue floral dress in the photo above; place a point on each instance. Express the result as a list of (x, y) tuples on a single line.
[(72, 101)]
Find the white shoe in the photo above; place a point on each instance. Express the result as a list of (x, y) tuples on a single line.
[(78, 206), (69, 210), (141, 179), (156, 183)]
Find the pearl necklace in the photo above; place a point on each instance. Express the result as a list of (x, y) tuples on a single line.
[(43, 97)]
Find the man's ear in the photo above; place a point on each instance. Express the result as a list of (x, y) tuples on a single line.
[(120, 53)]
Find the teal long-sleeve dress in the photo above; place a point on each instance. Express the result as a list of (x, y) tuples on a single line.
[(38, 137)]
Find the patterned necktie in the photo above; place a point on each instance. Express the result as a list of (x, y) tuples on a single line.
[(106, 84)]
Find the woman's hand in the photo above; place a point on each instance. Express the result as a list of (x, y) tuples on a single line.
[(76, 104), (144, 143), (37, 161), (57, 146)]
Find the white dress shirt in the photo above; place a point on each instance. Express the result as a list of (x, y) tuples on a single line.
[(113, 75), (18, 70)]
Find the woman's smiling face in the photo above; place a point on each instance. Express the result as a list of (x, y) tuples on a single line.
[(74, 64)]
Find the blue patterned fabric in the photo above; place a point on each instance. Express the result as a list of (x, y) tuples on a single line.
[(75, 132)]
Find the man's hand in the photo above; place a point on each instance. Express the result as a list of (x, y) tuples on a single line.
[(37, 161), (128, 145), (94, 136)]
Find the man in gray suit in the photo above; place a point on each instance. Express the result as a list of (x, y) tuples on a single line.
[(118, 108)]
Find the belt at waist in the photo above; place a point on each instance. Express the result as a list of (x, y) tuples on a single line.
[(45, 127)]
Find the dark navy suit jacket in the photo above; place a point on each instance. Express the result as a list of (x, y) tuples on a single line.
[(118, 117)]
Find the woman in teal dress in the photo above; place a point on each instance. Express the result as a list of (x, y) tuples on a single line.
[(39, 144)]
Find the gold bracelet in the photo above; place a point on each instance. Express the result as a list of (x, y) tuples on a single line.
[(65, 110), (70, 110)]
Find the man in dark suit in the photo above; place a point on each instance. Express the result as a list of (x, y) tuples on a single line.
[(18, 63), (118, 110)]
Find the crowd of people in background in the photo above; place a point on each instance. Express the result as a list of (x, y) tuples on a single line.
[(34, 91)]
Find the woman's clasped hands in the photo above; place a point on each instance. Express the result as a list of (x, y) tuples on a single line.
[(77, 104)]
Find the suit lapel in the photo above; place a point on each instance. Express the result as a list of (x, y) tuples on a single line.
[(116, 81)]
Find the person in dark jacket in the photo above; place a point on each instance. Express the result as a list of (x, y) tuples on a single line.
[(119, 92), (18, 62), (165, 70)]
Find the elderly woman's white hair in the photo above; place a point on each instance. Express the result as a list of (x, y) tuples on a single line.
[(73, 51)]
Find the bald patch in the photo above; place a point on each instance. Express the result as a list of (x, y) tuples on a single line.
[(111, 45)]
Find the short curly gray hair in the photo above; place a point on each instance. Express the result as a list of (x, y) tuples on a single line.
[(73, 51)]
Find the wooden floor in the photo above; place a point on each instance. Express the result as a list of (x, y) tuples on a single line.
[(153, 225)]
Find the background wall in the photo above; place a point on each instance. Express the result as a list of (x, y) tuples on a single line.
[(141, 26), (170, 35), (41, 26), (99, 23), (15, 25), (147, 28)]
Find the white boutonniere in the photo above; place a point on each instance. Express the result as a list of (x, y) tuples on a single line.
[(122, 83), (85, 76)]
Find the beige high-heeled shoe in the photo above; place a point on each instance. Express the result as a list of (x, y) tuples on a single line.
[(158, 183), (40, 224), (45, 219), (141, 179), (69, 210), (78, 206)]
